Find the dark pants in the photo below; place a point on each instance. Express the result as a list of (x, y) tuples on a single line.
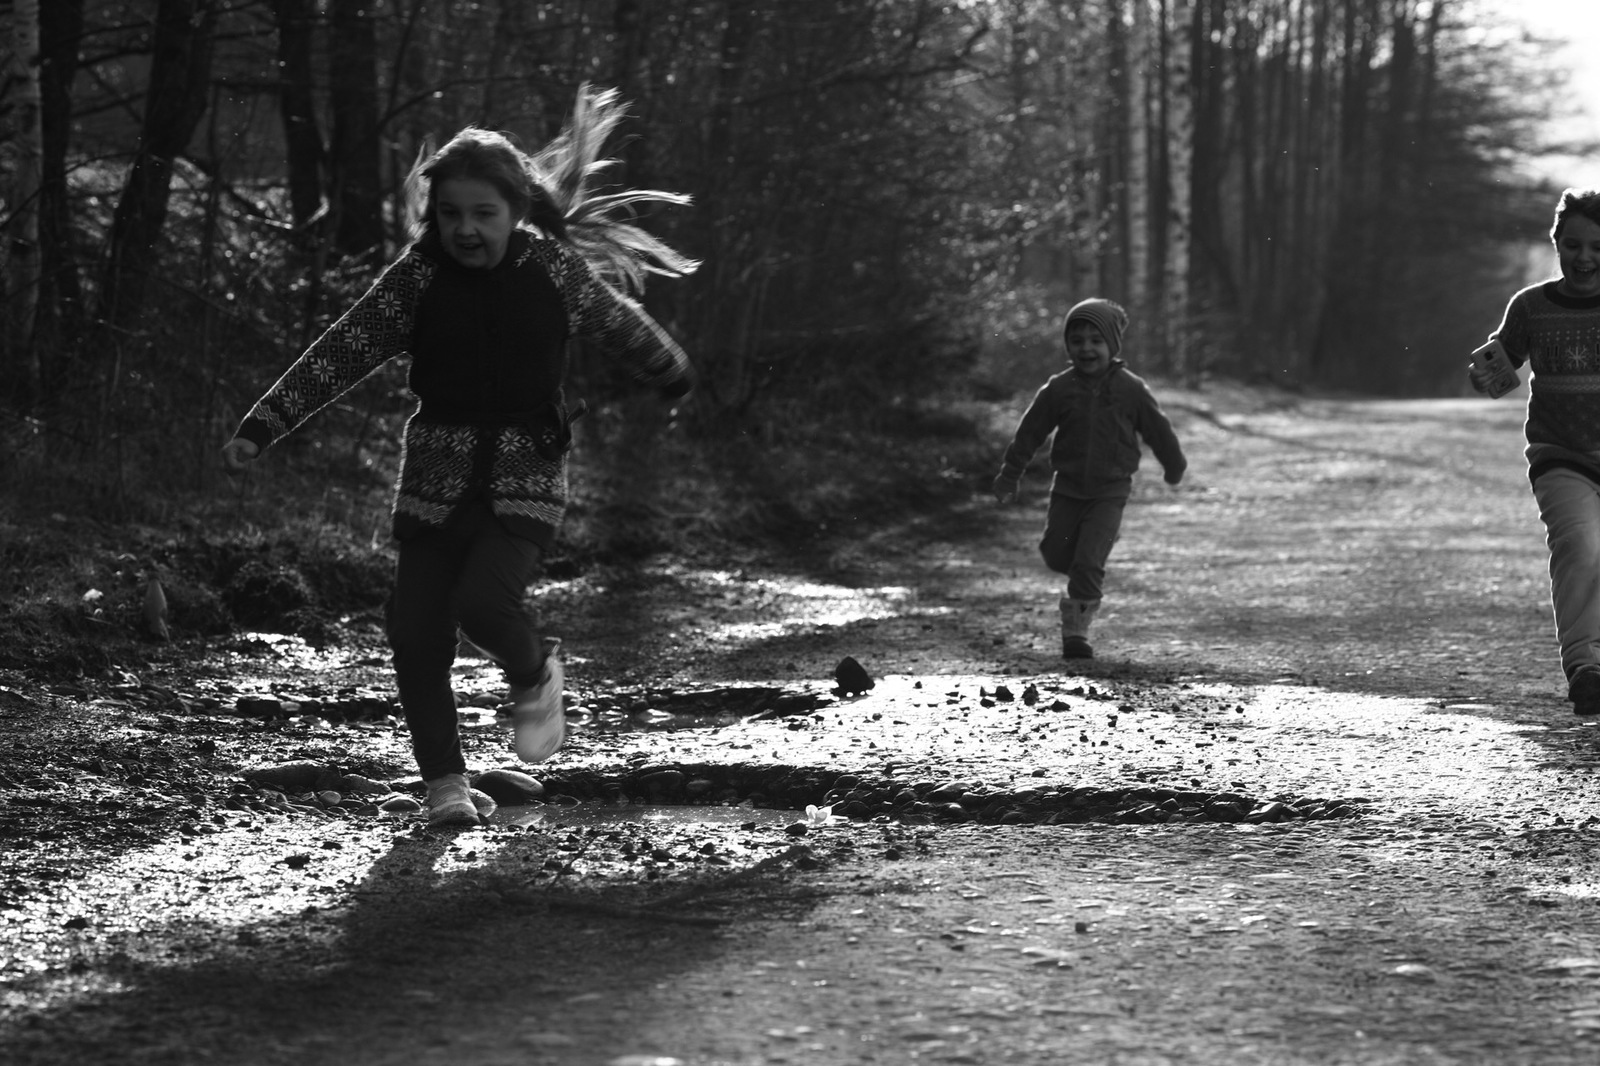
[(1078, 538), (471, 574)]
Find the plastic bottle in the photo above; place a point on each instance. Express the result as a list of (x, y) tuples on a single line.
[(1502, 376)]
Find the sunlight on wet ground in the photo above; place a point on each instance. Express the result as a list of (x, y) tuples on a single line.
[(552, 816), (761, 608), (294, 651)]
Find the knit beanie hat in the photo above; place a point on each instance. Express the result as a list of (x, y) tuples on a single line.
[(1107, 317)]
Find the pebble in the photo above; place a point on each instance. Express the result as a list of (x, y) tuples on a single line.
[(510, 787), (298, 776), (363, 786)]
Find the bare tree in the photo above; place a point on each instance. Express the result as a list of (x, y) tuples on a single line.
[(180, 70), (302, 138), (353, 91), (20, 164), (60, 304)]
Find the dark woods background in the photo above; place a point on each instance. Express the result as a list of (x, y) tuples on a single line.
[(895, 200)]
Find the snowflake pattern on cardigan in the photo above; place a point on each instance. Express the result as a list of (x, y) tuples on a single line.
[(444, 464)]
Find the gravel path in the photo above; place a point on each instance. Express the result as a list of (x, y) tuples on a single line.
[(1342, 614)]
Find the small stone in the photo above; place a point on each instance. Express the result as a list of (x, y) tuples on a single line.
[(400, 805), (663, 780), (510, 787), (329, 798), (259, 707), (1269, 812), (852, 678), (363, 786), (299, 776)]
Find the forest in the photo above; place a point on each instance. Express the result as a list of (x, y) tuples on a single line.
[(885, 194)]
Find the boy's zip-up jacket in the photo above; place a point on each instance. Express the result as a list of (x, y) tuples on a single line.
[(1097, 425), (488, 355)]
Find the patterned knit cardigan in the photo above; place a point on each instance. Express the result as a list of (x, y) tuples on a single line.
[(487, 356)]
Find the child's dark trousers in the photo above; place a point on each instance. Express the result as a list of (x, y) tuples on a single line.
[(472, 575), (1078, 538)]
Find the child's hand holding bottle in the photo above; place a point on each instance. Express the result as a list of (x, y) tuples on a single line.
[(1491, 372)]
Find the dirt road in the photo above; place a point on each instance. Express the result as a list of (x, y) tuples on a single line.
[(1336, 629)]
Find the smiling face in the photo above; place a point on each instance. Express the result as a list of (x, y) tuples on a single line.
[(1578, 247), (474, 220), (1086, 345)]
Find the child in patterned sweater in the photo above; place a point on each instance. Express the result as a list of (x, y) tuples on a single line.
[(511, 258), (1554, 328)]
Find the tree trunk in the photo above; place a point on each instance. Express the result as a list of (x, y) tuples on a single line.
[(60, 287), (1114, 152), (302, 138), (1179, 32), (353, 87), (20, 254), (1141, 61), (629, 34), (731, 350), (180, 72)]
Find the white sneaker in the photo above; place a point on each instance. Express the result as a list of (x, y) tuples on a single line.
[(450, 802), (537, 715)]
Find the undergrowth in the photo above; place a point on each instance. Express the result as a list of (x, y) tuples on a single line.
[(300, 544)]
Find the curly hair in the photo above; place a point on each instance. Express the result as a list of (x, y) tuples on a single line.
[(1582, 202)]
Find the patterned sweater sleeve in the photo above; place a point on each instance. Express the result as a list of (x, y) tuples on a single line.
[(1513, 331), (1038, 422), (375, 329), (619, 325)]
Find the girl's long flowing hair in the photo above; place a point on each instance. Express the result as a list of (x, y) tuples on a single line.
[(554, 189)]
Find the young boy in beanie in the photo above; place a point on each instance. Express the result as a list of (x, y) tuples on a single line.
[(1097, 410)]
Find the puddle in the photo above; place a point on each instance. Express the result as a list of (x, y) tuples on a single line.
[(592, 814)]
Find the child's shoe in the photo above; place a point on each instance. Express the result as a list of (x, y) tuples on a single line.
[(537, 714), (1584, 691), (450, 802), (1076, 647)]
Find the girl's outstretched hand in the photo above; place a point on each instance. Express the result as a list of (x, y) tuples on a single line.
[(237, 454), (1005, 491)]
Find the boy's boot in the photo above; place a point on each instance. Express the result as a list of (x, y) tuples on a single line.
[(1584, 691), (1076, 615)]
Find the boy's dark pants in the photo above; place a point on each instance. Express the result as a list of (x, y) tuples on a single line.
[(470, 574), (1078, 538)]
